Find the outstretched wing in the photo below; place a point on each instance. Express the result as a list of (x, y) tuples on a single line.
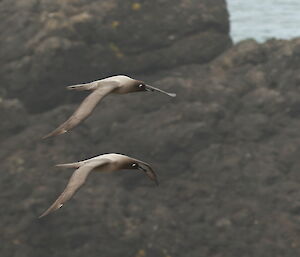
[(76, 181), (84, 110)]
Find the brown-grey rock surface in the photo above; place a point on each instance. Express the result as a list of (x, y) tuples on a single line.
[(49, 44), (226, 151), (13, 117)]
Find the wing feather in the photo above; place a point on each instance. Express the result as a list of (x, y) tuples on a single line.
[(75, 183), (84, 110)]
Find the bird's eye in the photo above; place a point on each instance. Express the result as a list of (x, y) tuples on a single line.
[(134, 165), (141, 85)]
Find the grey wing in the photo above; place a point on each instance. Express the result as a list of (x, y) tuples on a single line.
[(76, 181), (84, 110)]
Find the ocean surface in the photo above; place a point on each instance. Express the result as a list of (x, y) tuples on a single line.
[(264, 19)]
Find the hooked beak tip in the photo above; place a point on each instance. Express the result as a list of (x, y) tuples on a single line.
[(155, 180)]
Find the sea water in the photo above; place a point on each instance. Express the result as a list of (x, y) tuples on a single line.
[(264, 19)]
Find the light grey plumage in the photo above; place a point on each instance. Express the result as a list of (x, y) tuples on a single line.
[(117, 84), (105, 162)]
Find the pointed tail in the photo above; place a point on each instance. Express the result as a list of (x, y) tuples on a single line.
[(75, 165), (80, 87)]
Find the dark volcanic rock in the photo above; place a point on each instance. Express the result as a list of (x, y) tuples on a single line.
[(226, 151), (46, 45), (13, 117)]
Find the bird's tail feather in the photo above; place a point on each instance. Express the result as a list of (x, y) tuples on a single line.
[(69, 165), (80, 87)]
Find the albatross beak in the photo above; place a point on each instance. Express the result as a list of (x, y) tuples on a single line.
[(150, 88), (150, 174), (156, 181)]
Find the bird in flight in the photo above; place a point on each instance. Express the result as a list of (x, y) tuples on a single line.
[(105, 162), (117, 85)]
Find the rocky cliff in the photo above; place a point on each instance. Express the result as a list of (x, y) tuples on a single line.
[(48, 44), (226, 151)]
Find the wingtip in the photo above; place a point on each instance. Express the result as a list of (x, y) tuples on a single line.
[(42, 215), (52, 208), (46, 136), (51, 134), (54, 133), (45, 213)]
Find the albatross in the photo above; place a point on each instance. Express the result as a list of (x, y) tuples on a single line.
[(105, 162), (112, 85)]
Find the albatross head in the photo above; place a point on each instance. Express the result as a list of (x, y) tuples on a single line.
[(140, 86)]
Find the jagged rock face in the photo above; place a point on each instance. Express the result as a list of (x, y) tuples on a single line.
[(13, 117), (46, 45), (226, 151)]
